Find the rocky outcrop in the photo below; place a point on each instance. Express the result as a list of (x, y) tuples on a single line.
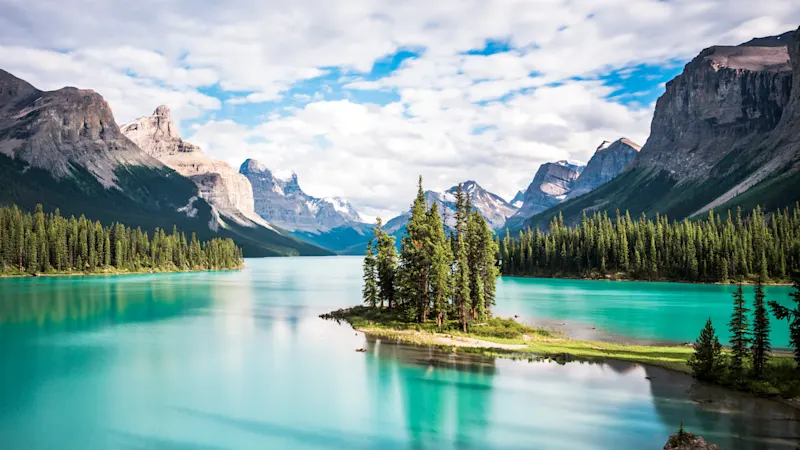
[(608, 161), (683, 440), (220, 184), (63, 131), (549, 187), (280, 200), (725, 102)]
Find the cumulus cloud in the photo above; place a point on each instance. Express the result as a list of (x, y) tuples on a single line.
[(456, 113)]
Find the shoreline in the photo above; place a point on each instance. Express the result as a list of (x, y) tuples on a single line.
[(532, 343), (629, 280), (111, 273)]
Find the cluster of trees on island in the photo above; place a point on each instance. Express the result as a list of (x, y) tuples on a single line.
[(748, 358), (442, 272), (49, 243), (710, 249)]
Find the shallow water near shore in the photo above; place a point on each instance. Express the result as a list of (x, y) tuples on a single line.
[(240, 360)]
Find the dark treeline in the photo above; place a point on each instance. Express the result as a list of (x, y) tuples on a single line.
[(437, 275), (710, 249), (50, 243)]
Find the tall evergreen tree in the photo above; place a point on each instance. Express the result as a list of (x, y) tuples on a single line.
[(441, 284), (707, 362), (761, 346), (386, 264), (415, 258), (739, 327), (371, 291)]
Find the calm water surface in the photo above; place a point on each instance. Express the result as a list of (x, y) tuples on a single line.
[(240, 360)]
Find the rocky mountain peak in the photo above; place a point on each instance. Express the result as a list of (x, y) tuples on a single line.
[(61, 130), (219, 183), (279, 199), (722, 104), (610, 159)]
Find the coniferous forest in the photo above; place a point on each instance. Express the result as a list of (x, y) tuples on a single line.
[(438, 275), (49, 243), (710, 249)]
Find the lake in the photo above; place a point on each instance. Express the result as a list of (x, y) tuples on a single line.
[(204, 361)]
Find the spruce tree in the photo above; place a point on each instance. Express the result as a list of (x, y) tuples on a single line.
[(441, 284), (739, 327), (370, 291), (415, 258), (707, 362), (386, 264), (792, 316), (761, 346)]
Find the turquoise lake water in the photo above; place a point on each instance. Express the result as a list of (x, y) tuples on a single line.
[(224, 360)]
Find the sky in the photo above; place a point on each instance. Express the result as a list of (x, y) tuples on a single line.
[(359, 97)]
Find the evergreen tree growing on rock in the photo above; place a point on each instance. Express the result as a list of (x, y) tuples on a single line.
[(707, 362)]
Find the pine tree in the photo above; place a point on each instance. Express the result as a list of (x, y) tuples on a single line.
[(706, 362), (761, 346), (792, 316), (370, 291), (740, 335)]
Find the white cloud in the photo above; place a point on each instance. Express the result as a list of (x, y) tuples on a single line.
[(145, 53)]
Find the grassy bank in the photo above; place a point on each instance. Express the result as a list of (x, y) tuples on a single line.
[(510, 339)]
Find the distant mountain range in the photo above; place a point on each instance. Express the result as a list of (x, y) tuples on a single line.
[(280, 200)]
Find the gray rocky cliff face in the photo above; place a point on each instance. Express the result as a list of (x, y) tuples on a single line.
[(60, 130), (607, 162), (280, 200), (725, 101), (219, 183)]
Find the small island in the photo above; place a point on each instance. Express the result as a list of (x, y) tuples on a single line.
[(440, 289), (50, 244)]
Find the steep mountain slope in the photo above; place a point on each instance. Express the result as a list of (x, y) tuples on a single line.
[(549, 187), (725, 133), (223, 187), (608, 161), (63, 149), (280, 200)]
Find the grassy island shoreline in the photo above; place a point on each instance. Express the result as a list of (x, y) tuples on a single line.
[(507, 338)]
